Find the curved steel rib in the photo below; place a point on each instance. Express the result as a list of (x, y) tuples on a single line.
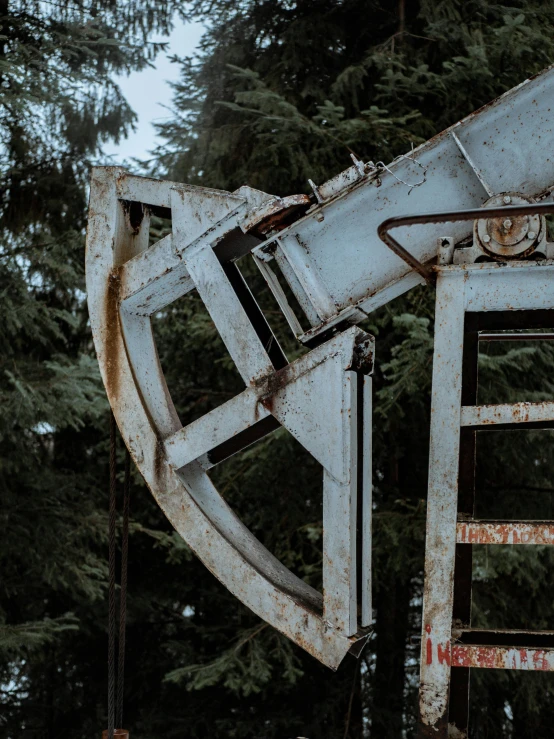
[(128, 281)]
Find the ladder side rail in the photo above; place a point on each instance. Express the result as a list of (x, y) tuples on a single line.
[(489, 297), (463, 568), (442, 506)]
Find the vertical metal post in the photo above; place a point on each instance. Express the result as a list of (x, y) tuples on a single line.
[(442, 505), (461, 614)]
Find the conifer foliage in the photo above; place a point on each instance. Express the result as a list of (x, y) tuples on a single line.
[(58, 104), (281, 91)]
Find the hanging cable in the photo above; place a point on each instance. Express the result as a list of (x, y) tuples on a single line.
[(111, 579), (123, 590), (115, 708)]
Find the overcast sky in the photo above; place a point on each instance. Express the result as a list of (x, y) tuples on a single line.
[(148, 91)]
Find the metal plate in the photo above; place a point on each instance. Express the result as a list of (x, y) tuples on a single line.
[(323, 399), (335, 251)]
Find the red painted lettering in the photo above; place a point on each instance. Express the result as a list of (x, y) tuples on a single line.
[(443, 654), (484, 537), (539, 660), (540, 538)]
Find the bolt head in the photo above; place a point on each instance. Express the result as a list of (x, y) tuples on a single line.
[(507, 199), (531, 235), (486, 238), (507, 224)]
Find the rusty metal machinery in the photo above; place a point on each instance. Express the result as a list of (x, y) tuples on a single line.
[(476, 302), (494, 184), (128, 282)]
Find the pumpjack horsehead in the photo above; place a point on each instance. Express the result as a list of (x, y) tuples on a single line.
[(469, 208)]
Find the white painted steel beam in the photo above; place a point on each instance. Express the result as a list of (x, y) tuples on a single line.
[(516, 286), (484, 415), (502, 658), (337, 249), (145, 190), (442, 499), (367, 505), (154, 278), (318, 398), (209, 431), (505, 532)]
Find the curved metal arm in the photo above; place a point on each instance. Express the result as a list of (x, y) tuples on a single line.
[(470, 214)]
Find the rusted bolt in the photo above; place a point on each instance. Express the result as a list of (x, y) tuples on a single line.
[(531, 235), (486, 238), (320, 217), (507, 199), (507, 224)]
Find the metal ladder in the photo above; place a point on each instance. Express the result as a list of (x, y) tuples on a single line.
[(471, 301)]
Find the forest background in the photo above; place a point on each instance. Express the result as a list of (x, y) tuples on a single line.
[(279, 92)]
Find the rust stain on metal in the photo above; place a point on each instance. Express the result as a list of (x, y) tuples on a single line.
[(159, 460), (277, 215), (503, 658), (362, 356), (113, 344), (505, 532), (274, 383)]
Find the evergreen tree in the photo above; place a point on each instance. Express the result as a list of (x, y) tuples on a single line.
[(58, 105), (282, 92)]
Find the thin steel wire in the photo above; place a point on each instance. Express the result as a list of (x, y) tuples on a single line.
[(123, 589), (111, 579)]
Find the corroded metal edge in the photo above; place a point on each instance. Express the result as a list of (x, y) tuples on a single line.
[(287, 614)]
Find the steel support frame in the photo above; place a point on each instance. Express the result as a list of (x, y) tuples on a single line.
[(340, 271), (323, 399), (462, 292)]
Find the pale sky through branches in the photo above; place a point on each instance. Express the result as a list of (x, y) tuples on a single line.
[(149, 90)]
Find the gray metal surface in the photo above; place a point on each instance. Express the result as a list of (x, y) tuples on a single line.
[(442, 498), (503, 658), (333, 250), (330, 254), (513, 286), (319, 398), (505, 532)]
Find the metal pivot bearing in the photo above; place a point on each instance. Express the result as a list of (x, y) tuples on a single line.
[(511, 237)]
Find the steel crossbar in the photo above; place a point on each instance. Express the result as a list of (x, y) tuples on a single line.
[(468, 297)]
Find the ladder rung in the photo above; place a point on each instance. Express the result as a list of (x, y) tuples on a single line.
[(503, 649), (502, 658), (512, 336), (505, 532), (514, 638), (507, 413)]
